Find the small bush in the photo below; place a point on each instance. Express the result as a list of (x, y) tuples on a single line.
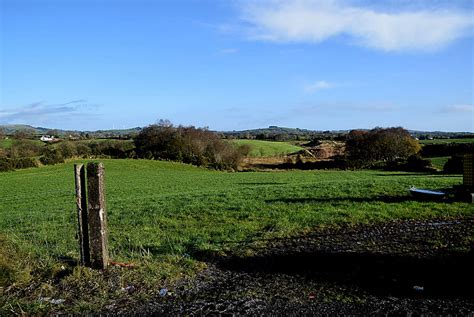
[(24, 148), (68, 149), (454, 165), (52, 156), (414, 163), (116, 149), (82, 149), (6, 164), (25, 162), (417, 163)]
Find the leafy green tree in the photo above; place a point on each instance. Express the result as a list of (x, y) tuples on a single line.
[(363, 148)]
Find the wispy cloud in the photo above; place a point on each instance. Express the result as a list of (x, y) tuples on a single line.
[(305, 109), (314, 21), (42, 112), (227, 51), (458, 109), (317, 86)]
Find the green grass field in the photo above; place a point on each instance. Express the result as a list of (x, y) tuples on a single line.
[(160, 213), (6, 143), (438, 162), (261, 148), (447, 141), (169, 207)]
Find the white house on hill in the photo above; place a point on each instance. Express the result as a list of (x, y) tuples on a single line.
[(47, 138)]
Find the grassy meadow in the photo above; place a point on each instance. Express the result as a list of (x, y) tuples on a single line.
[(447, 141), (163, 208), (6, 143), (260, 148), (438, 162), (161, 213)]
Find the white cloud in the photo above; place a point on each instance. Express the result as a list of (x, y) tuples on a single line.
[(459, 109), (317, 86), (228, 51), (42, 112), (318, 20)]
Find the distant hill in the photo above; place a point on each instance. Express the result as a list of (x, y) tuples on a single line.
[(271, 133), (12, 128), (276, 129), (282, 133)]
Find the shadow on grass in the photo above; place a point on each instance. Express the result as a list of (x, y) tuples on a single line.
[(446, 276), (417, 175), (263, 184), (419, 259), (405, 174), (347, 200)]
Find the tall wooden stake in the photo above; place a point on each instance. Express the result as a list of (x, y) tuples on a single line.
[(97, 215), (82, 219)]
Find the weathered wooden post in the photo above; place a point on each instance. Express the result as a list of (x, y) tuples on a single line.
[(468, 176), (97, 215), (82, 219), (468, 170)]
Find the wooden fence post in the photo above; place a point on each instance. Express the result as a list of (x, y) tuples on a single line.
[(82, 219), (97, 215), (468, 170)]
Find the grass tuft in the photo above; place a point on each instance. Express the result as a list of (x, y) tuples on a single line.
[(14, 267)]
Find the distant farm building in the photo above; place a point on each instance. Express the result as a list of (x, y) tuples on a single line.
[(47, 138)]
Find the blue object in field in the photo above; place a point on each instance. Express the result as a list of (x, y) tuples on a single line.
[(427, 194), (163, 292)]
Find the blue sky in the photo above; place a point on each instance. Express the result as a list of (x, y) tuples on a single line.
[(232, 65)]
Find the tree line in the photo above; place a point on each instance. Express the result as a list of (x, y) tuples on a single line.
[(191, 145), (388, 148)]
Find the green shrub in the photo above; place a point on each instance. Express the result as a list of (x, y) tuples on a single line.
[(25, 162), (68, 149), (52, 156), (116, 149), (188, 145), (25, 148), (454, 165), (82, 149), (6, 164), (417, 163)]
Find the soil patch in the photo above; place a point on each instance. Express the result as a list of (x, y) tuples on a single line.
[(402, 267)]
